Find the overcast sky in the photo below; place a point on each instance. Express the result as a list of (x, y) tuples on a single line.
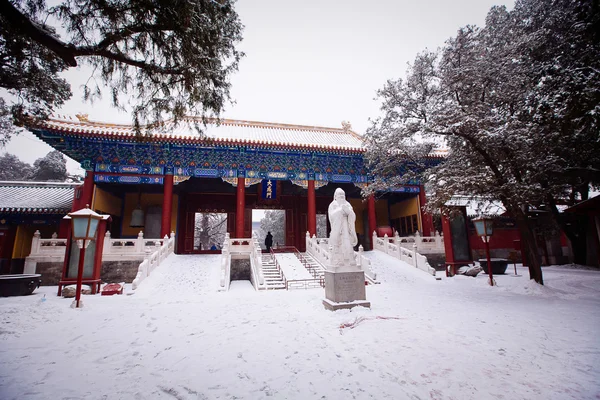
[(312, 62)]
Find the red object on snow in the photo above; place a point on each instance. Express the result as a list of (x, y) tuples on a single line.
[(112, 288)]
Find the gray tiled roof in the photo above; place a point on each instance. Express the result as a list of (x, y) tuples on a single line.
[(36, 197), (228, 131)]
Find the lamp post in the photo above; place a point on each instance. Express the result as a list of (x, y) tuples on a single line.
[(484, 228), (85, 224)]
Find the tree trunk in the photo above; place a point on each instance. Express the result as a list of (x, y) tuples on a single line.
[(528, 245)]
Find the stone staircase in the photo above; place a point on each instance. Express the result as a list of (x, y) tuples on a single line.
[(313, 266), (273, 277)]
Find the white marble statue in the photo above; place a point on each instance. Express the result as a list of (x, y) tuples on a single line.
[(342, 238)]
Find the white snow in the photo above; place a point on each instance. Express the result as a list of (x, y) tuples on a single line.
[(178, 338)]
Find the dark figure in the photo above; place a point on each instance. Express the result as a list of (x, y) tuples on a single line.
[(269, 241)]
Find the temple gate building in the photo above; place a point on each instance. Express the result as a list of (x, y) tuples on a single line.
[(167, 176)]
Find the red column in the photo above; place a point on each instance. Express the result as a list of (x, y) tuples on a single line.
[(448, 245), (426, 220), (87, 192), (372, 216), (165, 226), (240, 206), (98, 255), (64, 228), (312, 210)]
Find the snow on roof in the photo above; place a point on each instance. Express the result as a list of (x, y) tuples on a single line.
[(228, 130), (36, 197), (591, 204), (478, 206)]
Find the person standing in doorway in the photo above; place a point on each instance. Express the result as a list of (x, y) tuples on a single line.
[(269, 241)]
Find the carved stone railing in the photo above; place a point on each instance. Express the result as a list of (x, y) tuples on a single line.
[(400, 251), (53, 250), (48, 247), (425, 244), (155, 256), (256, 257), (241, 247), (225, 265), (113, 249), (320, 250)]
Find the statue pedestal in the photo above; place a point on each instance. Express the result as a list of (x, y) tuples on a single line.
[(345, 290)]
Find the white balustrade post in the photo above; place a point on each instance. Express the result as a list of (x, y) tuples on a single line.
[(385, 243), (418, 240), (307, 240), (35, 243), (139, 245), (158, 247), (374, 240), (360, 255), (107, 248), (415, 254)]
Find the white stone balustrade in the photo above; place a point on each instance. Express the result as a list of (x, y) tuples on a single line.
[(425, 244), (225, 264), (53, 250), (113, 250), (401, 250), (237, 248), (154, 255)]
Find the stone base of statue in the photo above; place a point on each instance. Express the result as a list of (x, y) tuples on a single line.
[(345, 290)]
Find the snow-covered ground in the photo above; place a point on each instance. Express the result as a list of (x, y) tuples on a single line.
[(178, 338)]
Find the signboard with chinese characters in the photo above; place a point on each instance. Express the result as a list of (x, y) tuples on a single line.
[(269, 189)]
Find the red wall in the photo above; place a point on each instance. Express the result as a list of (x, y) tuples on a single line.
[(501, 239)]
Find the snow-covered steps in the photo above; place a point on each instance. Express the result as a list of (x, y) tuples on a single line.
[(273, 277), (313, 266)]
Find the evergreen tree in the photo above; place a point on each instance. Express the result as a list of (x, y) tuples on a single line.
[(171, 57), (13, 169), (52, 167), (210, 229), (274, 222), (517, 104)]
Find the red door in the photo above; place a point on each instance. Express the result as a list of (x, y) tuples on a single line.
[(290, 228)]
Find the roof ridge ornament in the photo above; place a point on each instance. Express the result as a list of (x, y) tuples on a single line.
[(82, 117), (346, 126)]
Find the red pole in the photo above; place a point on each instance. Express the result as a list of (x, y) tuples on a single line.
[(489, 260), (165, 227), (240, 206), (79, 275), (372, 217), (88, 190), (312, 209)]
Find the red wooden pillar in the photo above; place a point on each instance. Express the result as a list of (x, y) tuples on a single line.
[(64, 228), (372, 216), (98, 254), (426, 220), (312, 209), (87, 191), (240, 206), (165, 226)]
